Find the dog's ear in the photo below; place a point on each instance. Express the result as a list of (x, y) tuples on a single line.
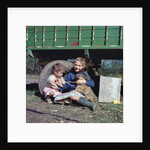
[(87, 78), (84, 77)]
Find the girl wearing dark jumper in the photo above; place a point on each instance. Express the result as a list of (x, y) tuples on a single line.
[(71, 83)]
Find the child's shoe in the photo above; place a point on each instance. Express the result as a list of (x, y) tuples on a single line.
[(67, 101), (48, 100)]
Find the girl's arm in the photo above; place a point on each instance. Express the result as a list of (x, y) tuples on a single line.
[(90, 82), (51, 81), (68, 86), (57, 82)]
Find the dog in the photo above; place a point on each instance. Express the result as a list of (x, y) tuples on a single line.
[(86, 90)]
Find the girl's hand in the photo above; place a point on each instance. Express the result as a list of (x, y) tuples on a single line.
[(63, 82), (81, 81), (58, 83)]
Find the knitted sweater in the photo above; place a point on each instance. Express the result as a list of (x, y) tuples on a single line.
[(71, 77)]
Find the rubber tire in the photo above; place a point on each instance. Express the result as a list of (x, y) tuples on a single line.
[(47, 70)]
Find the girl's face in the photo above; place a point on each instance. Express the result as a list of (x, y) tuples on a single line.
[(78, 66), (58, 74)]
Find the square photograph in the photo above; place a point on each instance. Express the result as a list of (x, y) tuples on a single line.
[(74, 74)]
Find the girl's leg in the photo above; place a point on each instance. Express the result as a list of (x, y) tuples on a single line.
[(75, 98), (84, 102), (49, 96)]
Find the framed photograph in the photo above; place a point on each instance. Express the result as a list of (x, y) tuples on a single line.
[(107, 39), (95, 52)]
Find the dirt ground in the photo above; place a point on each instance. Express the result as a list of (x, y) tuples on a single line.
[(39, 111)]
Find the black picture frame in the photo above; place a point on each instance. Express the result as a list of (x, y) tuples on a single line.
[(146, 25)]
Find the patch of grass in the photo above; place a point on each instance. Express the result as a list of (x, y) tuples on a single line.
[(111, 113), (32, 98), (32, 76), (30, 92), (112, 107)]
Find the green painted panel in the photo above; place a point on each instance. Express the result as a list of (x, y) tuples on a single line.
[(49, 36), (39, 36), (60, 36), (113, 35), (99, 35), (86, 35), (31, 36), (73, 36)]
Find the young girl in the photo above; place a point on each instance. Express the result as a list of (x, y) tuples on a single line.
[(79, 67), (51, 89)]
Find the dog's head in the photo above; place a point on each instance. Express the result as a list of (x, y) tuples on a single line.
[(81, 77)]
